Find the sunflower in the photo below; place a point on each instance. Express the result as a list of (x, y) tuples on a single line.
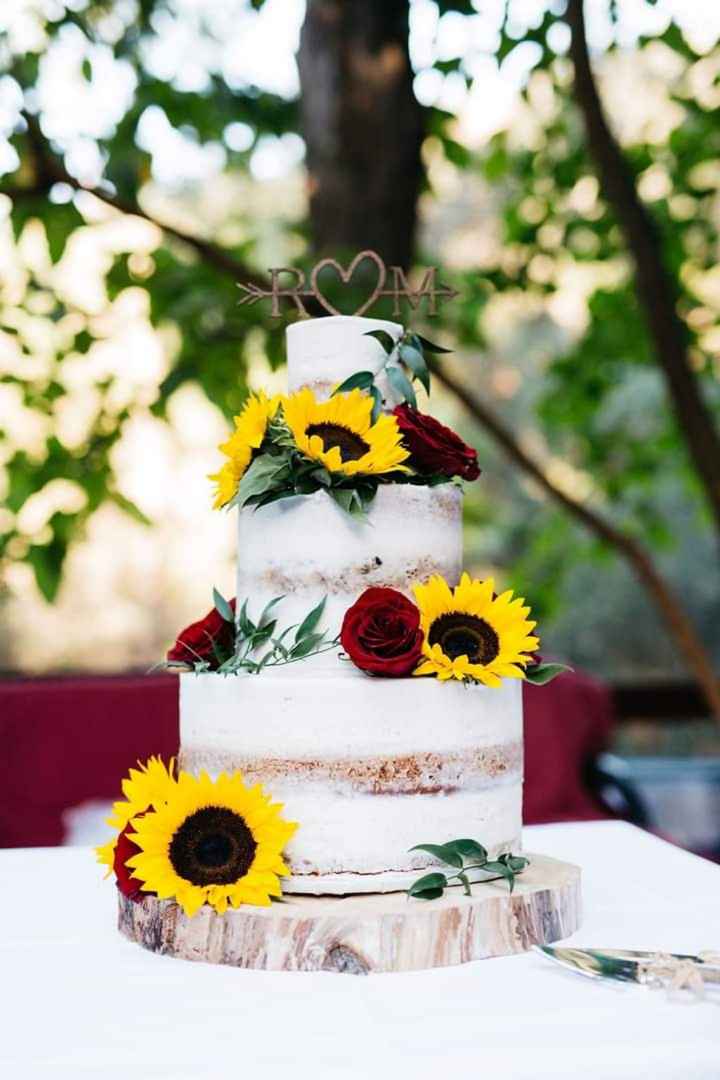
[(146, 786), (340, 434), (472, 634), (247, 437), (213, 841)]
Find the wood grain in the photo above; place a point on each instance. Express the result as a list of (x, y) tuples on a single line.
[(372, 933)]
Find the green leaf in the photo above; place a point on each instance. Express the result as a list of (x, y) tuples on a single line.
[(501, 868), (416, 362), (401, 384), (469, 849), (310, 621), (377, 403), (465, 883), (515, 862), (542, 674), (263, 633), (428, 887), (266, 472), (430, 346), (361, 380), (129, 507), (444, 852), (47, 562), (350, 501), (245, 624), (268, 608), (322, 476), (223, 607), (386, 340), (306, 645)]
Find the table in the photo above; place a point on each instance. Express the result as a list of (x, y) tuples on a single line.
[(81, 1002)]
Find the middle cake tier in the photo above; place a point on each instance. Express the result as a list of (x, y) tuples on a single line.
[(306, 548)]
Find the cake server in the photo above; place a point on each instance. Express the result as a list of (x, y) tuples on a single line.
[(632, 965)]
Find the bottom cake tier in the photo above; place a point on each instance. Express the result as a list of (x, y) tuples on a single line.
[(367, 767)]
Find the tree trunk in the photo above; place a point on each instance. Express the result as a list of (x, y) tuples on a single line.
[(362, 127)]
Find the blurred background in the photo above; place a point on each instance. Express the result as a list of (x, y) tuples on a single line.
[(559, 161)]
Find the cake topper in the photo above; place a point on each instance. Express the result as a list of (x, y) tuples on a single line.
[(429, 289)]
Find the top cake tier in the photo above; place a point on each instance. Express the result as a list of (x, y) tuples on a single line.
[(323, 352)]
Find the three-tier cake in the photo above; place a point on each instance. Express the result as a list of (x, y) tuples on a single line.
[(368, 766)]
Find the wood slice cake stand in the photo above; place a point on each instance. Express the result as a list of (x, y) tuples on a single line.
[(368, 933)]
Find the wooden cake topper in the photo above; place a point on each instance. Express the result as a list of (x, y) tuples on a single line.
[(298, 290)]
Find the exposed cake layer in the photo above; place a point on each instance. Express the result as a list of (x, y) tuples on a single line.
[(368, 767), (321, 353), (307, 547)]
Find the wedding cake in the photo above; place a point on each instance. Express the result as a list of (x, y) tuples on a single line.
[(353, 717), (369, 766)]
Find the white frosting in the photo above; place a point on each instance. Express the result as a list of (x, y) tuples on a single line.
[(307, 547), (324, 352), (368, 767)]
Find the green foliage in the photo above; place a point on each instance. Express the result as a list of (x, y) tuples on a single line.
[(466, 856), (259, 645)]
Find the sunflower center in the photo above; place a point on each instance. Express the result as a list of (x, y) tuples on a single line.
[(350, 445), (213, 846), (460, 634)]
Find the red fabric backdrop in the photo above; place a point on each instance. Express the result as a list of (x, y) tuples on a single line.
[(64, 741)]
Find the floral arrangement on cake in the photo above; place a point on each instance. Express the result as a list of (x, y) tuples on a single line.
[(295, 445), (468, 633), (196, 840)]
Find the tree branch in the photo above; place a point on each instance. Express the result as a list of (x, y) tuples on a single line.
[(49, 170), (656, 288), (666, 602)]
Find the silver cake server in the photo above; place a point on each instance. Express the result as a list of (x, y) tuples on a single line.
[(632, 965)]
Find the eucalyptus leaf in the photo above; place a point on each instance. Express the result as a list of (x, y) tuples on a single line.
[(310, 621), (542, 674), (223, 607), (430, 345), (377, 403), (361, 380), (401, 384), (444, 852), (386, 340), (416, 362)]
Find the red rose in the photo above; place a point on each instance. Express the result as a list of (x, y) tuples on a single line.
[(211, 639), (124, 850), (433, 447), (381, 633)]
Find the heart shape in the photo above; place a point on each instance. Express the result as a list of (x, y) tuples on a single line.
[(345, 276)]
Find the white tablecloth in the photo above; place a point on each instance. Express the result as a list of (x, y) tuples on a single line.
[(79, 1001)]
